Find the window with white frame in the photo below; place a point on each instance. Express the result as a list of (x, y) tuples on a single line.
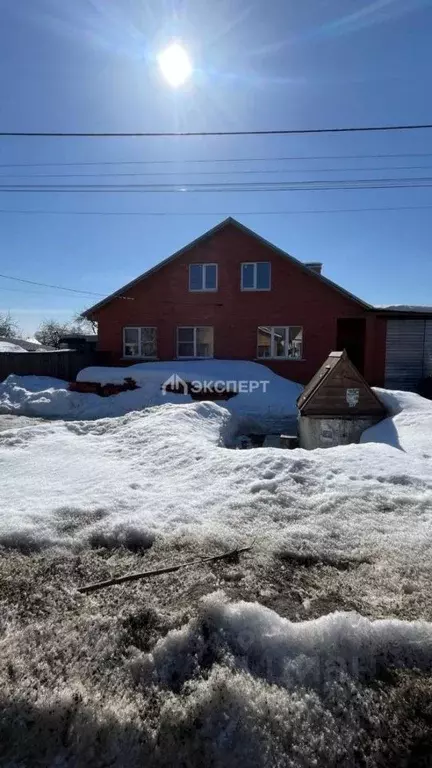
[(139, 342), (280, 342), (203, 277), (194, 341), (255, 276)]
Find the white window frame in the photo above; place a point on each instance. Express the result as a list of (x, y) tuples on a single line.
[(272, 356), (194, 356), (139, 329), (254, 264), (204, 266)]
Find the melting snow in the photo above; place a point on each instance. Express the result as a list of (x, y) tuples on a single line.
[(165, 471), (237, 684)]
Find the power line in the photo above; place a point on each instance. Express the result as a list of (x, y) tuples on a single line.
[(216, 160), (48, 285), (216, 213), (27, 290), (276, 186), (165, 134), (249, 171)]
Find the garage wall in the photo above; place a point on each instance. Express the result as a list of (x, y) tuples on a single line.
[(408, 352)]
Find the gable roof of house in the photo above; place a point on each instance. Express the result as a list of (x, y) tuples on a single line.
[(322, 376), (206, 235)]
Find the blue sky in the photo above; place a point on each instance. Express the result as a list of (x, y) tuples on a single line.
[(91, 65)]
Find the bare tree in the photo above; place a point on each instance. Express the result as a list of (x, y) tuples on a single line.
[(83, 325), (8, 326), (50, 332)]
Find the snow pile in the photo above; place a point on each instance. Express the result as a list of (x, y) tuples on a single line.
[(7, 346), (49, 398), (263, 407), (165, 471), (251, 688), (255, 639), (264, 399), (409, 427), (104, 481)]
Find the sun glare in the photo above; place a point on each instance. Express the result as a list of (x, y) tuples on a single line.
[(175, 65)]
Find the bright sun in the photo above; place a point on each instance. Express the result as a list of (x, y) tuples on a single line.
[(175, 65)]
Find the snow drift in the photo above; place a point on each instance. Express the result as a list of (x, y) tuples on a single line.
[(224, 683), (165, 471), (271, 406)]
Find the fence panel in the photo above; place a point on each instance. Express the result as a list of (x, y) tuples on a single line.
[(61, 364)]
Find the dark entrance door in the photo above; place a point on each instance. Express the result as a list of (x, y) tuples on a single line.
[(351, 333)]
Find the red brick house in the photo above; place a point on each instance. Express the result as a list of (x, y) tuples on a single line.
[(230, 294)]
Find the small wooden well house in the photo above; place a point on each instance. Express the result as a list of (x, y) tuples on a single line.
[(337, 405)]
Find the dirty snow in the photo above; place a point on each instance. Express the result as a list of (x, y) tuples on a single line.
[(147, 673), (285, 653), (143, 674)]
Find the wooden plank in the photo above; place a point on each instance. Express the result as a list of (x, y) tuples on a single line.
[(332, 396)]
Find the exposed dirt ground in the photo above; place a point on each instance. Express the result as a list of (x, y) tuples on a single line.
[(70, 697)]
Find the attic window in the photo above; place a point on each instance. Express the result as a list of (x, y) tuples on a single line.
[(255, 276), (203, 277)]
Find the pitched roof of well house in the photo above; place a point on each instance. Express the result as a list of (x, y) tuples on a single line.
[(337, 373), (226, 222)]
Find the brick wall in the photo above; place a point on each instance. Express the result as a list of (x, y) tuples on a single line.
[(296, 298)]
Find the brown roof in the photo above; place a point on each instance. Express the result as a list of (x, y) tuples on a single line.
[(320, 376), (326, 391), (226, 222)]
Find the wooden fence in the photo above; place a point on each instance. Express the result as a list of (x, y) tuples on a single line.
[(61, 364)]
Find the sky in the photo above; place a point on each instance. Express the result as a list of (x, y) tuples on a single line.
[(92, 65)]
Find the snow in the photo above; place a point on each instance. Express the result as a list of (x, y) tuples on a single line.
[(405, 307), (289, 654), (165, 471), (270, 407), (147, 669), (7, 346), (410, 426), (11, 344), (244, 686)]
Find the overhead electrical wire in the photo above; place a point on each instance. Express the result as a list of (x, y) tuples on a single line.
[(264, 186), (171, 161), (42, 292), (249, 171), (48, 285), (215, 213), (178, 134)]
